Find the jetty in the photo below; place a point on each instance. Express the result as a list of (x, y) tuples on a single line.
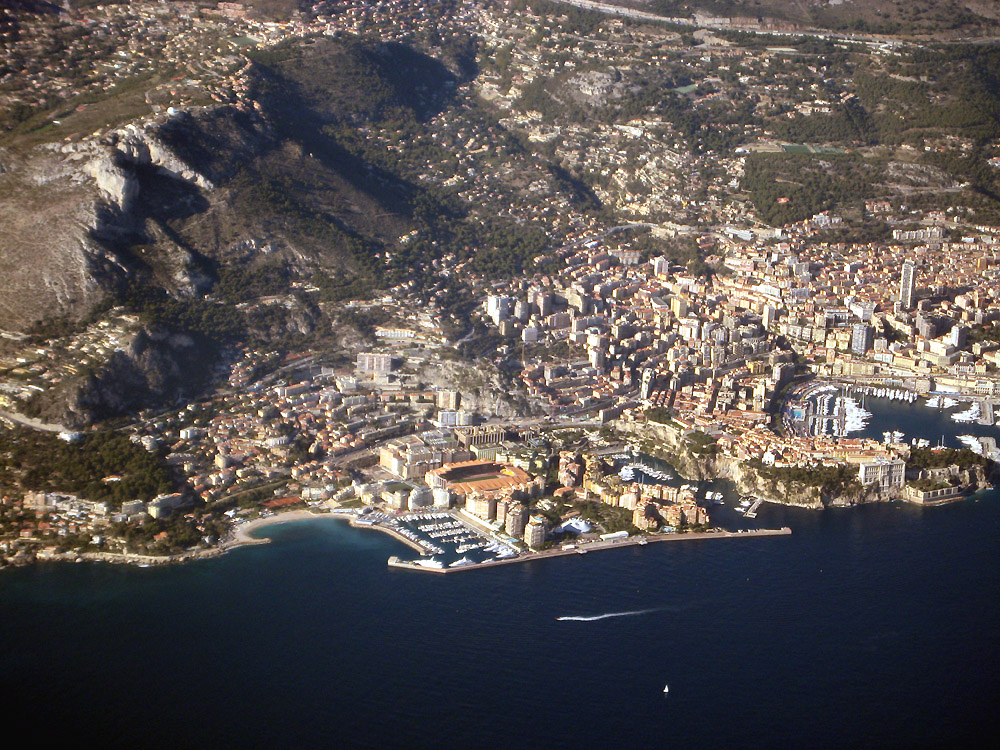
[(584, 547)]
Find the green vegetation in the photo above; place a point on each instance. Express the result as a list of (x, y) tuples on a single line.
[(831, 481), (681, 251), (179, 534), (701, 444), (198, 317), (872, 17), (609, 517), (240, 283), (323, 95), (787, 188), (40, 461), (363, 321), (934, 458), (659, 414), (928, 485), (989, 332)]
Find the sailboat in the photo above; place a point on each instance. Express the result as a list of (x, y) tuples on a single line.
[(666, 688)]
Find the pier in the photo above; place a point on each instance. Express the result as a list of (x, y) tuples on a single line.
[(586, 547)]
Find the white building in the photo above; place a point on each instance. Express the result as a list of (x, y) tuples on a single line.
[(883, 472)]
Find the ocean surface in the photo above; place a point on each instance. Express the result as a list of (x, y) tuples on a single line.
[(876, 626)]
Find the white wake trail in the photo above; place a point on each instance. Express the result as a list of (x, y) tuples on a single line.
[(592, 618)]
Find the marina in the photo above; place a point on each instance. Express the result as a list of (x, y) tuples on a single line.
[(629, 471), (842, 409), (396, 562), (445, 540)]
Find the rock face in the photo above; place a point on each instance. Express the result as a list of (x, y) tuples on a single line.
[(64, 209), (747, 479), (50, 262), (114, 161), (153, 367)]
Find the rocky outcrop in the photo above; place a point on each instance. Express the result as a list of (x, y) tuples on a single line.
[(67, 217), (115, 182), (114, 161), (51, 264), (152, 368), (140, 144), (701, 465)]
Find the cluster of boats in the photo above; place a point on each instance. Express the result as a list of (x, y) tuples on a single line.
[(715, 498), (748, 505), (628, 472), (972, 443), (839, 415), (499, 550), (444, 531), (941, 402), (431, 562), (972, 414), (429, 548), (371, 519), (893, 394), (855, 416), (898, 437)]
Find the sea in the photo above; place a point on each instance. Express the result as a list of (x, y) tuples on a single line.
[(876, 626)]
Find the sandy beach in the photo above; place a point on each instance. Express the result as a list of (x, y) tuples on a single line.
[(241, 536)]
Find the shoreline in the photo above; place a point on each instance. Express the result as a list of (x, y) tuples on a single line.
[(240, 536), (587, 547)]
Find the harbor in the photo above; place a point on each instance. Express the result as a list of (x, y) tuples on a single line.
[(587, 547), (847, 409)]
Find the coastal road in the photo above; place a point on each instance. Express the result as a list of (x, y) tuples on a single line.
[(35, 424)]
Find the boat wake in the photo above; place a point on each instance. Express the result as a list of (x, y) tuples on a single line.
[(592, 618)]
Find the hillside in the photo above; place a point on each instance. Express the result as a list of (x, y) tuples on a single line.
[(232, 182), (940, 18)]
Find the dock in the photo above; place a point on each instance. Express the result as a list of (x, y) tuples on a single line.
[(752, 510), (586, 547)]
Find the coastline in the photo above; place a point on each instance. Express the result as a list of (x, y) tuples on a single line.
[(240, 538), (587, 547), (241, 534)]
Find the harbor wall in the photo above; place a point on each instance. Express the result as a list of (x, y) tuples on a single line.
[(667, 442), (588, 547)]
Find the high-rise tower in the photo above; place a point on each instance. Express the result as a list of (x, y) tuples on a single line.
[(908, 285)]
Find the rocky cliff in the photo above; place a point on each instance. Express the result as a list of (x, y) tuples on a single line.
[(153, 366), (71, 215), (700, 464)]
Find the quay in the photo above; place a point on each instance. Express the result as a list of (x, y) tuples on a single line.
[(587, 547)]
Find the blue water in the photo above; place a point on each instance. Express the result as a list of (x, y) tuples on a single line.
[(875, 626), (919, 421)]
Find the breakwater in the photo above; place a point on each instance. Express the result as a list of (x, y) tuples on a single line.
[(587, 547)]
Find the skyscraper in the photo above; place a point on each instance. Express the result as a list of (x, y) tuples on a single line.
[(908, 285), (862, 338)]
